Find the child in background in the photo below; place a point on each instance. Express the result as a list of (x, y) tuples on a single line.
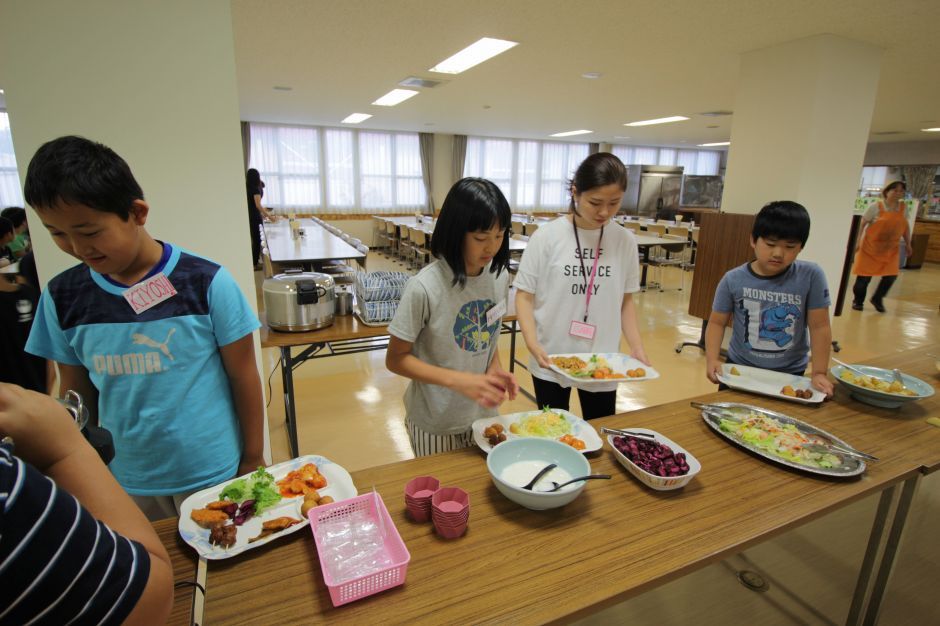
[(18, 300), (774, 300), (565, 260), (7, 235), (20, 244), (445, 331), (155, 338)]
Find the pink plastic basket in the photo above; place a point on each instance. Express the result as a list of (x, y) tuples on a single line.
[(356, 588)]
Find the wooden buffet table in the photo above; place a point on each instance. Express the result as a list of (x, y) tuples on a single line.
[(617, 540)]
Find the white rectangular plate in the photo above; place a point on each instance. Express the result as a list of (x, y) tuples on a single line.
[(619, 362), (339, 486), (768, 383), (579, 428)]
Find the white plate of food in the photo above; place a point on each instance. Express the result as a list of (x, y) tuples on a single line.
[(546, 423), (778, 385), (601, 367), (207, 519)]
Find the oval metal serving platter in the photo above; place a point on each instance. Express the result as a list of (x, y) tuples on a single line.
[(851, 466)]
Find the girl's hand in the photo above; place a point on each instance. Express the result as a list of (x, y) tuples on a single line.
[(507, 380), (640, 355), (822, 383), (541, 357), (712, 370), (487, 390)]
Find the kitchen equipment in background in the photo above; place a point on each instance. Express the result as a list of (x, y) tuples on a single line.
[(702, 191), (298, 301), (652, 191)]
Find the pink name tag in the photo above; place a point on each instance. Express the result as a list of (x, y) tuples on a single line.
[(581, 329), (149, 293)]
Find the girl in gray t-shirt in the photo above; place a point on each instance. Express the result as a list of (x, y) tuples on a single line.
[(445, 330)]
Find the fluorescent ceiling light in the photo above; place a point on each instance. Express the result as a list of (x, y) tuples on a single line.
[(395, 96), (661, 120), (717, 143), (474, 54), (571, 133), (926, 130), (355, 118)]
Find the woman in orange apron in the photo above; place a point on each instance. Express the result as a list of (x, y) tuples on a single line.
[(883, 225)]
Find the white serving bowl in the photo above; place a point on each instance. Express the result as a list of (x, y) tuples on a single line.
[(882, 399), (544, 451)]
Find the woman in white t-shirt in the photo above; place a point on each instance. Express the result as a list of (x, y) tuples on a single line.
[(575, 286)]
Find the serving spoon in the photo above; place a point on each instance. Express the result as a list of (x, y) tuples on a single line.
[(538, 476), (558, 486)]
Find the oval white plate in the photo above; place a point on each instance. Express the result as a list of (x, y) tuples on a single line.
[(768, 383), (619, 362), (579, 428), (339, 486)]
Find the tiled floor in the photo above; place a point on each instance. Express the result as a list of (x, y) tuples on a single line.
[(812, 569)]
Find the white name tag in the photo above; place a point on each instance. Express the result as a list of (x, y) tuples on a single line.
[(496, 312), (149, 293), (581, 329)]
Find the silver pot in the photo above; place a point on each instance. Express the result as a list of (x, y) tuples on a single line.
[(298, 301)]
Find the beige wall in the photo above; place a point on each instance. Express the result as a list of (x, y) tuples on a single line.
[(903, 153), (156, 82)]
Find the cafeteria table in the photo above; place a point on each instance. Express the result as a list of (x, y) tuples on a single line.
[(347, 335), (317, 245), (617, 539)]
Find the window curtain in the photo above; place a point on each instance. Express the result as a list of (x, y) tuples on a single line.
[(594, 148), (246, 143), (459, 157), (919, 180), (426, 141)]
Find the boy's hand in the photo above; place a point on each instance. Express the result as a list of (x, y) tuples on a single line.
[(712, 370), (822, 383), (43, 431), (247, 465), (508, 381)]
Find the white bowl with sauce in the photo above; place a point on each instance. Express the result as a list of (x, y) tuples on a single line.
[(515, 462)]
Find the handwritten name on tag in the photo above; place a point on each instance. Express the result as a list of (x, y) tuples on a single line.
[(149, 293), (580, 329), (495, 312)]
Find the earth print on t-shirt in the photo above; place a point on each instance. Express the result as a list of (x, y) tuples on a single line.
[(771, 318), (470, 330)]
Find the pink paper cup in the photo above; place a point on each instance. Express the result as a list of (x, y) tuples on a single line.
[(450, 532), (450, 500), (418, 513)]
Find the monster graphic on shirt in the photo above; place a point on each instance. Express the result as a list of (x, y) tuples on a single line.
[(771, 319), (471, 332)]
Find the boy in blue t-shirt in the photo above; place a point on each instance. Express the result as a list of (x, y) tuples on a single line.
[(156, 339), (774, 300)]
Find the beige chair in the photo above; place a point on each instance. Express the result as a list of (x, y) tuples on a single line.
[(391, 234), (656, 229), (679, 231), (634, 226), (379, 234), (419, 248), (405, 250), (529, 227), (668, 255), (517, 227), (689, 264)]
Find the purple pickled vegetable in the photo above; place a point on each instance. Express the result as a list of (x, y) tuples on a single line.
[(652, 457)]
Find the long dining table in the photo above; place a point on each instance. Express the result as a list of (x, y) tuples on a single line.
[(617, 539), (316, 245)]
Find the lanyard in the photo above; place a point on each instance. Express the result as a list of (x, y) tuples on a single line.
[(589, 285)]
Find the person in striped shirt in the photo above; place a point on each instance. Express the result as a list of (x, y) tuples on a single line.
[(73, 546)]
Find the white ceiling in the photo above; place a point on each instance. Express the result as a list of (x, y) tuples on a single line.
[(657, 59)]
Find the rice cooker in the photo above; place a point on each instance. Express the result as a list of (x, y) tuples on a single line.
[(298, 301)]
